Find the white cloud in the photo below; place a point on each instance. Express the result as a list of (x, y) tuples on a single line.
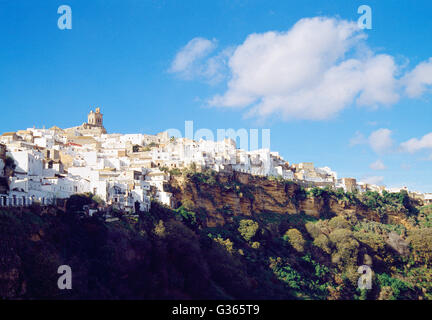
[(376, 180), (414, 145), (190, 60), (312, 71), (377, 165), (195, 49), (305, 72), (380, 140), (418, 80)]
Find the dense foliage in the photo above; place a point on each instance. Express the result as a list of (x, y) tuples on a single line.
[(172, 254)]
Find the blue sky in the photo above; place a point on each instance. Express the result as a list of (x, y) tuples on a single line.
[(120, 56)]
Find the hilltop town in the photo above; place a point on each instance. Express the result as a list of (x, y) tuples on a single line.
[(123, 170), (211, 220)]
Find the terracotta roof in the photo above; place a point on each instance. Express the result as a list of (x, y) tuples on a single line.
[(73, 144)]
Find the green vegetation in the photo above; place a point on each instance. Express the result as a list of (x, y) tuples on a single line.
[(10, 163), (98, 200), (187, 217), (248, 229), (295, 239), (174, 254), (76, 202), (318, 258), (327, 193), (398, 288), (388, 202), (421, 244)]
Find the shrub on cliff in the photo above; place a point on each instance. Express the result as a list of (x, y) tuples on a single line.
[(226, 243), (424, 219), (295, 239), (248, 228), (188, 204), (323, 243), (313, 229), (373, 240), (393, 288), (319, 192), (159, 229), (98, 200), (285, 273), (206, 177), (339, 222), (299, 194), (188, 217), (255, 245), (346, 247), (338, 236), (421, 244), (76, 202)]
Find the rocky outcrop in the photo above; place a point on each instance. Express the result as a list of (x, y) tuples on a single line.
[(235, 194)]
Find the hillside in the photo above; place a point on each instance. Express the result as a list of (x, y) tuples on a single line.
[(231, 237)]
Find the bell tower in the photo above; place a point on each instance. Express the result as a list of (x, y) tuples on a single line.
[(95, 118)]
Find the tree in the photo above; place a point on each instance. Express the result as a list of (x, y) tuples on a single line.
[(188, 217), (338, 222), (137, 206), (98, 200), (421, 243), (347, 247), (76, 202), (9, 166), (226, 243), (255, 245), (313, 229), (295, 238), (188, 204), (323, 243), (10, 163), (248, 229), (159, 229)]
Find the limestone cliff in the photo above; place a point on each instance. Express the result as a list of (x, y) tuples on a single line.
[(222, 196)]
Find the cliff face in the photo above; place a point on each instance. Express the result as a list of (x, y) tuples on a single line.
[(227, 195), (119, 260), (4, 172), (279, 252)]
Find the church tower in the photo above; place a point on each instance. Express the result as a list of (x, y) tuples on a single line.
[(95, 118)]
